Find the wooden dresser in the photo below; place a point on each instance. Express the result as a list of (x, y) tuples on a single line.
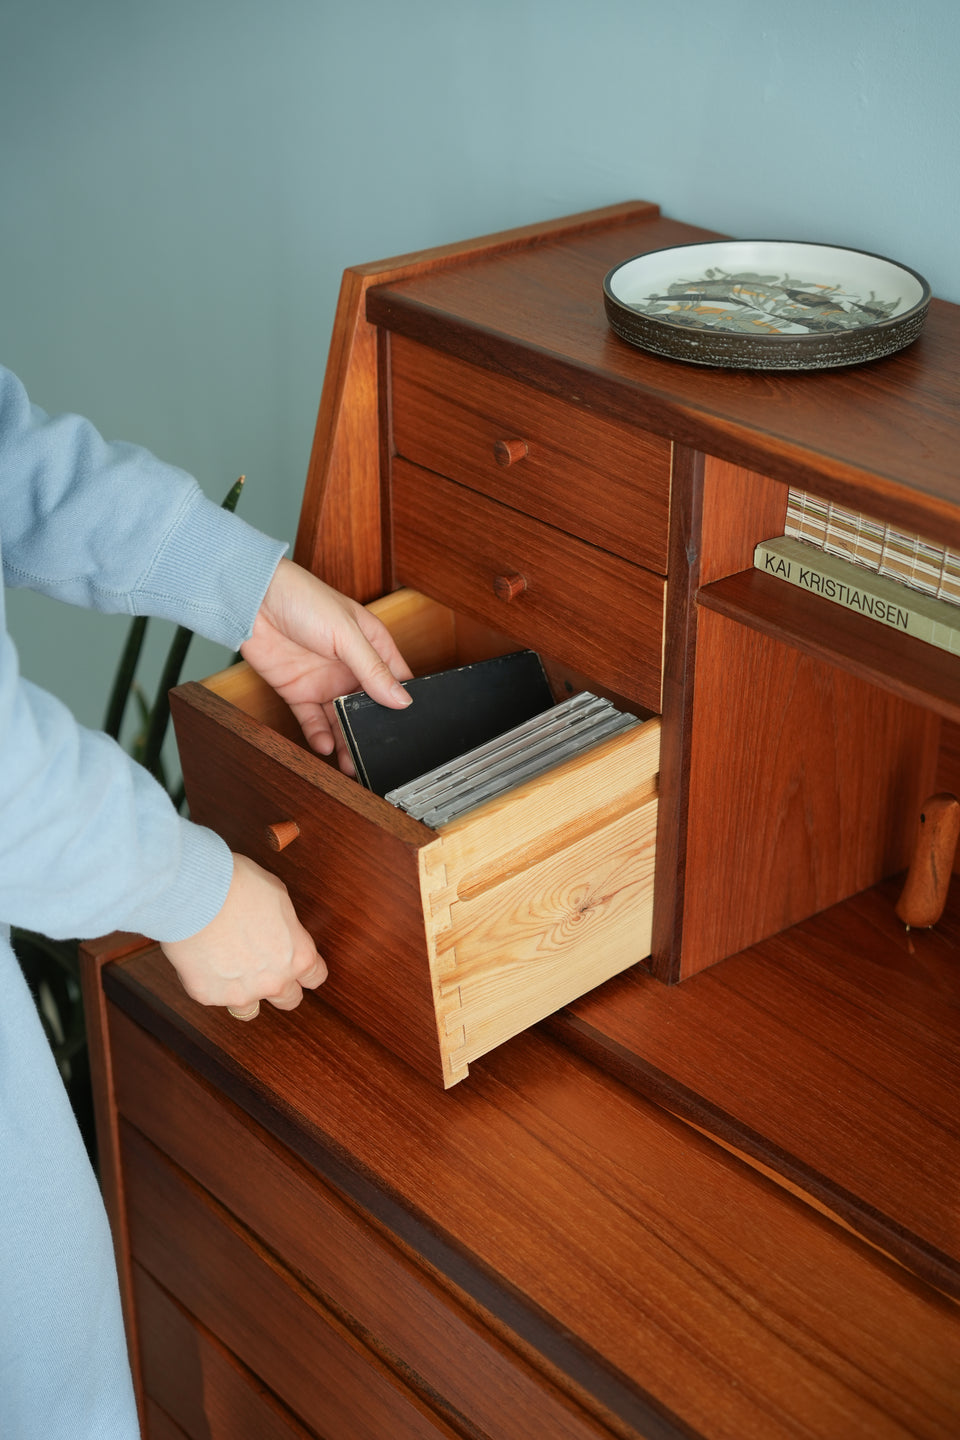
[(717, 1195)]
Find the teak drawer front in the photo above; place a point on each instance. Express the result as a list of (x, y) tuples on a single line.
[(195, 1382), (274, 1324), (366, 1278), (572, 601), (601, 481)]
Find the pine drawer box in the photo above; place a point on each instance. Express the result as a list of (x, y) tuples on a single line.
[(440, 944)]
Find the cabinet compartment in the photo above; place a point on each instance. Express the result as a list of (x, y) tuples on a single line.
[(491, 924), (823, 774), (576, 603), (598, 480)]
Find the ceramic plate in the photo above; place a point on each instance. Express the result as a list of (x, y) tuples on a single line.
[(766, 304)]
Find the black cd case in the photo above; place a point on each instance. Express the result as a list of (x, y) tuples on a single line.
[(453, 711)]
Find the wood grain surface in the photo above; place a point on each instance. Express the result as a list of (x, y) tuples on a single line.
[(259, 1309), (718, 512), (429, 1327), (676, 1290), (339, 535), (885, 657), (830, 1052), (804, 785), (196, 1383), (241, 778), (157, 1425)]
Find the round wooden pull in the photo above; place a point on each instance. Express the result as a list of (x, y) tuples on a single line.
[(508, 452), (279, 836), (508, 587)]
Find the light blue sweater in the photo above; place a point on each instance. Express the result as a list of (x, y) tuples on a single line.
[(88, 843)]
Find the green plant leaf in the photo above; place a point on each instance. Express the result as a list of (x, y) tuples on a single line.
[(123, 680)]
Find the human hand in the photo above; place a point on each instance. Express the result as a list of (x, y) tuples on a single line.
[(253, 949), (310, 643)]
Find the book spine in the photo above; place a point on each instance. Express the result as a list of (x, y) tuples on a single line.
[(885, 601), (896, 554)]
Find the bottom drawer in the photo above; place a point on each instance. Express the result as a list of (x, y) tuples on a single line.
[(431, 1330), (274, 1325), (193, 1385), (441, 943)]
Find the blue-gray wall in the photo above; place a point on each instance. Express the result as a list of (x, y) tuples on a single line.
[(183, 181)]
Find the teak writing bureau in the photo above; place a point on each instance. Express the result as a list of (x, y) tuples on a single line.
[(486, 443), (725, 1207)]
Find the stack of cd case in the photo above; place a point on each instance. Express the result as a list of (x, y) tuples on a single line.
[(519, 754)]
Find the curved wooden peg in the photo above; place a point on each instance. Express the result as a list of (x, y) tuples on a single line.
[(928, 879)]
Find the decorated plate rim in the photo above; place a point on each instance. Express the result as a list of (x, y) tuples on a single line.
[(764, 341)]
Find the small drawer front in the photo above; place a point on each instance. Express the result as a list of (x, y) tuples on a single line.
[(601, 481), (270, 1321), (575, 603)]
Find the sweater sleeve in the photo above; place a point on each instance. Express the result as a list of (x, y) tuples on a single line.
[(110, 527), (89, 842)]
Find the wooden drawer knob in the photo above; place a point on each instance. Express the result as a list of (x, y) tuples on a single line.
[(508, 587), (508, 452), (279, 836)]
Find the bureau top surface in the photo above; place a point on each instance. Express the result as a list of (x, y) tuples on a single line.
[(884, 436), (679, 1292)]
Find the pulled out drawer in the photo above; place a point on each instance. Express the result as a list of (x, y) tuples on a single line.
[(440, 943)]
